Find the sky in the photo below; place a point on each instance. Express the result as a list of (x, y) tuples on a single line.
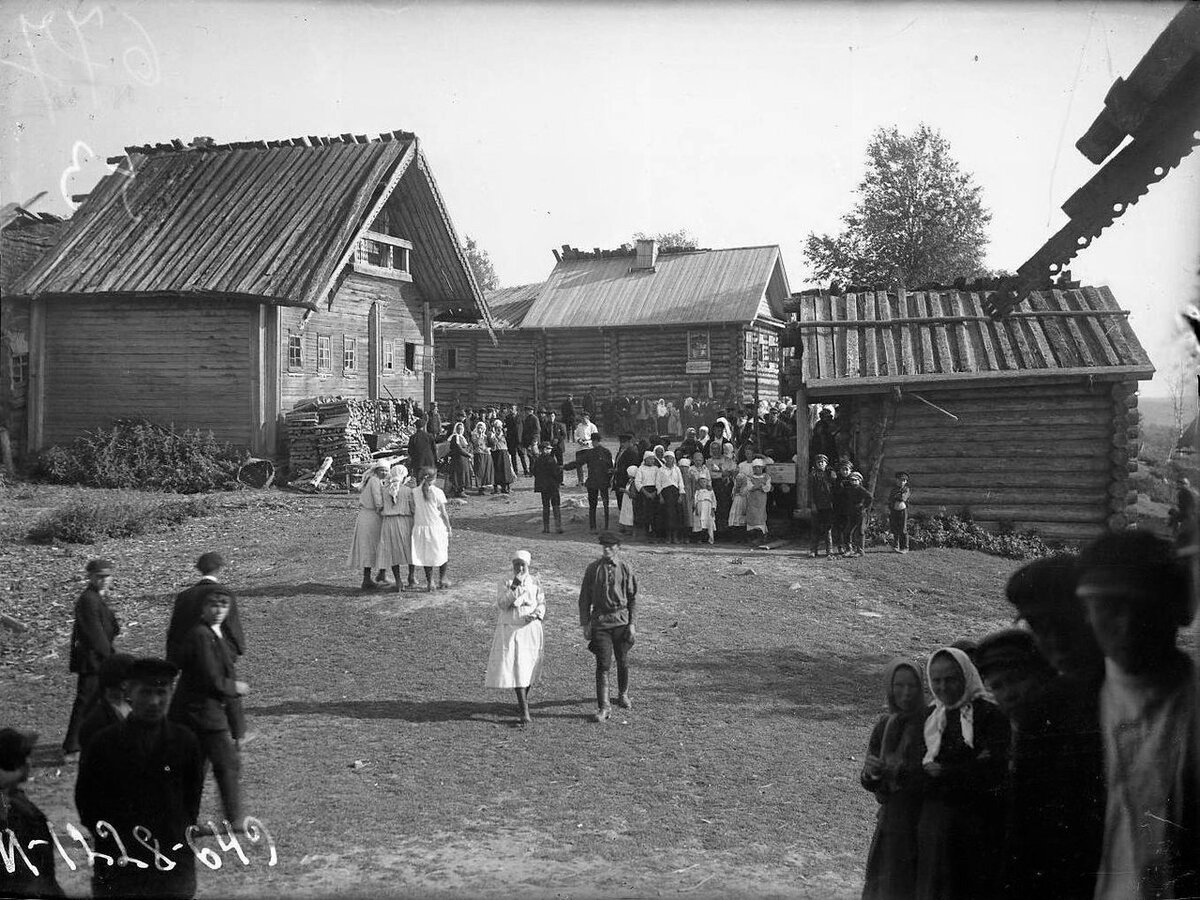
[(582, 123)]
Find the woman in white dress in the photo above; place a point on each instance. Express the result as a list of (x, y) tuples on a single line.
[(395, 541), (431, 529), (364, 545), (516, 658)]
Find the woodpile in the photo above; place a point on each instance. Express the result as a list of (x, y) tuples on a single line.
[(337, 427)]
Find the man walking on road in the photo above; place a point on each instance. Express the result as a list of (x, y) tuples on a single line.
[(607, 604)]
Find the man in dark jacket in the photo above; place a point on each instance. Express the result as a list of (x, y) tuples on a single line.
[(531, 433), (113, 706), (555, 433), (512, 436), (144, 772), (434, 422), (568, 412), (607, 606), (627, 455), (24, 830), (820, 499), (547, 478), (598, 461), (187, 609), (91, 643), (422, 450)]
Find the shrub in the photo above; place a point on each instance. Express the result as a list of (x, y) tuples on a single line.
[(86, 521), (964, 534), (136, 453)]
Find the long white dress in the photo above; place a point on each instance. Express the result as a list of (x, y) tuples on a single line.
[(516, 657), (430, 539), (395, 541), (364, 546)]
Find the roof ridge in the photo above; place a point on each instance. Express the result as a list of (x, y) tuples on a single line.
[(205, 143)]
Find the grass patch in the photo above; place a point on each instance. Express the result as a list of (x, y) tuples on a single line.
[(87, 521), (954, 532)]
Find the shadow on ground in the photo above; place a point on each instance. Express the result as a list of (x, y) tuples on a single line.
[(821, 688), (417, 711)]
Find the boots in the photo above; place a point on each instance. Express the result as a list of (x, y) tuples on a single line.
[(367, 583), (399, 583), (623, 700), (545, 521), (606, 517), (602, 705), (592, 519), (558, 521)]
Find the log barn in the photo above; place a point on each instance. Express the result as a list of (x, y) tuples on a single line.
[(1028, 421), (25, 237), (213, 286), (475, 370), (702, 323)]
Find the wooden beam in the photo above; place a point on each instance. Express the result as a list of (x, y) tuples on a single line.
[(36, 396), (870, 342), (831, 387), (852, 368)]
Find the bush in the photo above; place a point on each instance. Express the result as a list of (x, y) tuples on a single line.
[(88, 520), (136, 453), (964, 534)]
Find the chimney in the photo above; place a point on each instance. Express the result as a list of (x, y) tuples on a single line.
[(647, 255)]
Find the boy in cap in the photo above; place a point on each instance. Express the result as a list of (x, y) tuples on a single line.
[(92, 638), (607, 607), (114, 705), (23, 827), (547, 481), (1138, 598), (144, 772), (898, 513), (186, 612), (820, 499), (856, 499)]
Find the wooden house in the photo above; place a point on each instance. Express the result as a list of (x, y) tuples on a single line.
[(475, 368), (213, 286), (24, 238), (1028, 421), (702, 323)]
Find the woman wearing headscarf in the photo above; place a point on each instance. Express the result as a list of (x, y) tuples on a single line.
[(892, 772), (364, 545), (960, 831), (756, 499), (737, 506), (668, 483), (686, 496), (431, 530), (502, 468), (481, 458), (459, 478), (395, 540), (645, 482), (516, 658), (625, 518)]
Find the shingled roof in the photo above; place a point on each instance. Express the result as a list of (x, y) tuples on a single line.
[(868, 340), (23, 241), (508, 306), (684, 288), (271, 221)]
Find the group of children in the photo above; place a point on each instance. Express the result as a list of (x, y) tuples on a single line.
[(840, 503)]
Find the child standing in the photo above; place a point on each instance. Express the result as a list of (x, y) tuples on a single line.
[(704, 506), (625, 519), (820, 498), (841, 510), (898, 513), (857, 499)]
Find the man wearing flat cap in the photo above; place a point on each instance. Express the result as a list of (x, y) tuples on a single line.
[(32, 852), (144, 772), (607, 607), (1138, 598), (186, 612), (92, 637)]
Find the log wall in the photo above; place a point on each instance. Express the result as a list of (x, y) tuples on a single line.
[(1049, 458), (400, 319), (186, 362), (487, 374), (14, 341)]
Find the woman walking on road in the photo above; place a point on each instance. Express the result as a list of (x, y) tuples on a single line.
[(516, 657)]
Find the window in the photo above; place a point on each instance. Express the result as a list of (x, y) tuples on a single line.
[(19, 370), (410, 357), (349, 354), (384, 255), (295, 351), (389, 356), (324, 354), (451, 357)]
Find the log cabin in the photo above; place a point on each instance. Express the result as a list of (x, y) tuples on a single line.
[(212, 286), (476, 370), (24, 238), (1027, 421), (676, 323)]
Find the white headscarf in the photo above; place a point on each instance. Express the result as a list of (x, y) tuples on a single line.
[(396, 480), (524, 555), (935, 724)]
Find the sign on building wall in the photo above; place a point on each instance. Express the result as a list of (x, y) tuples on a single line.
[(698, 360)]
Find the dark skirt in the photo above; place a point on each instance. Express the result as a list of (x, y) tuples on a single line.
[(459, 477), (502, 469), (643, 509), (484, 469), (892, 859), (669, 518), (956, 850), (724, 491)]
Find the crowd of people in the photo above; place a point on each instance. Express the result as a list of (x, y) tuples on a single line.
[(1060, 761)]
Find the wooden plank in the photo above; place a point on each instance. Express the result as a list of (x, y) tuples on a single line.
[(852, 364), (1056, 334), (908, 365), (984, 333), (1080, 349), (1037, 329), (837, 310), (824, 343), (922, 465), (966, 351), (1004, 344), (953, 318), (945, 361), (870, 342), (1137, 352), (811, 340), (1016, 330), (1115, 329), (1094, 481), (1082, 448), (927, 363), (1100, 342)]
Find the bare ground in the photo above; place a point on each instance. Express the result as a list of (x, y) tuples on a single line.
[(381, 766)]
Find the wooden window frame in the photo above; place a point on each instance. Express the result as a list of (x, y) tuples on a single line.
[(389, 356), (295, 365), (325, 342), (693, 343), (395, 246), (451, 358), (18, 371), (350, 353)]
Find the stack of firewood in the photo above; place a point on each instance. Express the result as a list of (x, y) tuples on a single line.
[(335, 426)]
